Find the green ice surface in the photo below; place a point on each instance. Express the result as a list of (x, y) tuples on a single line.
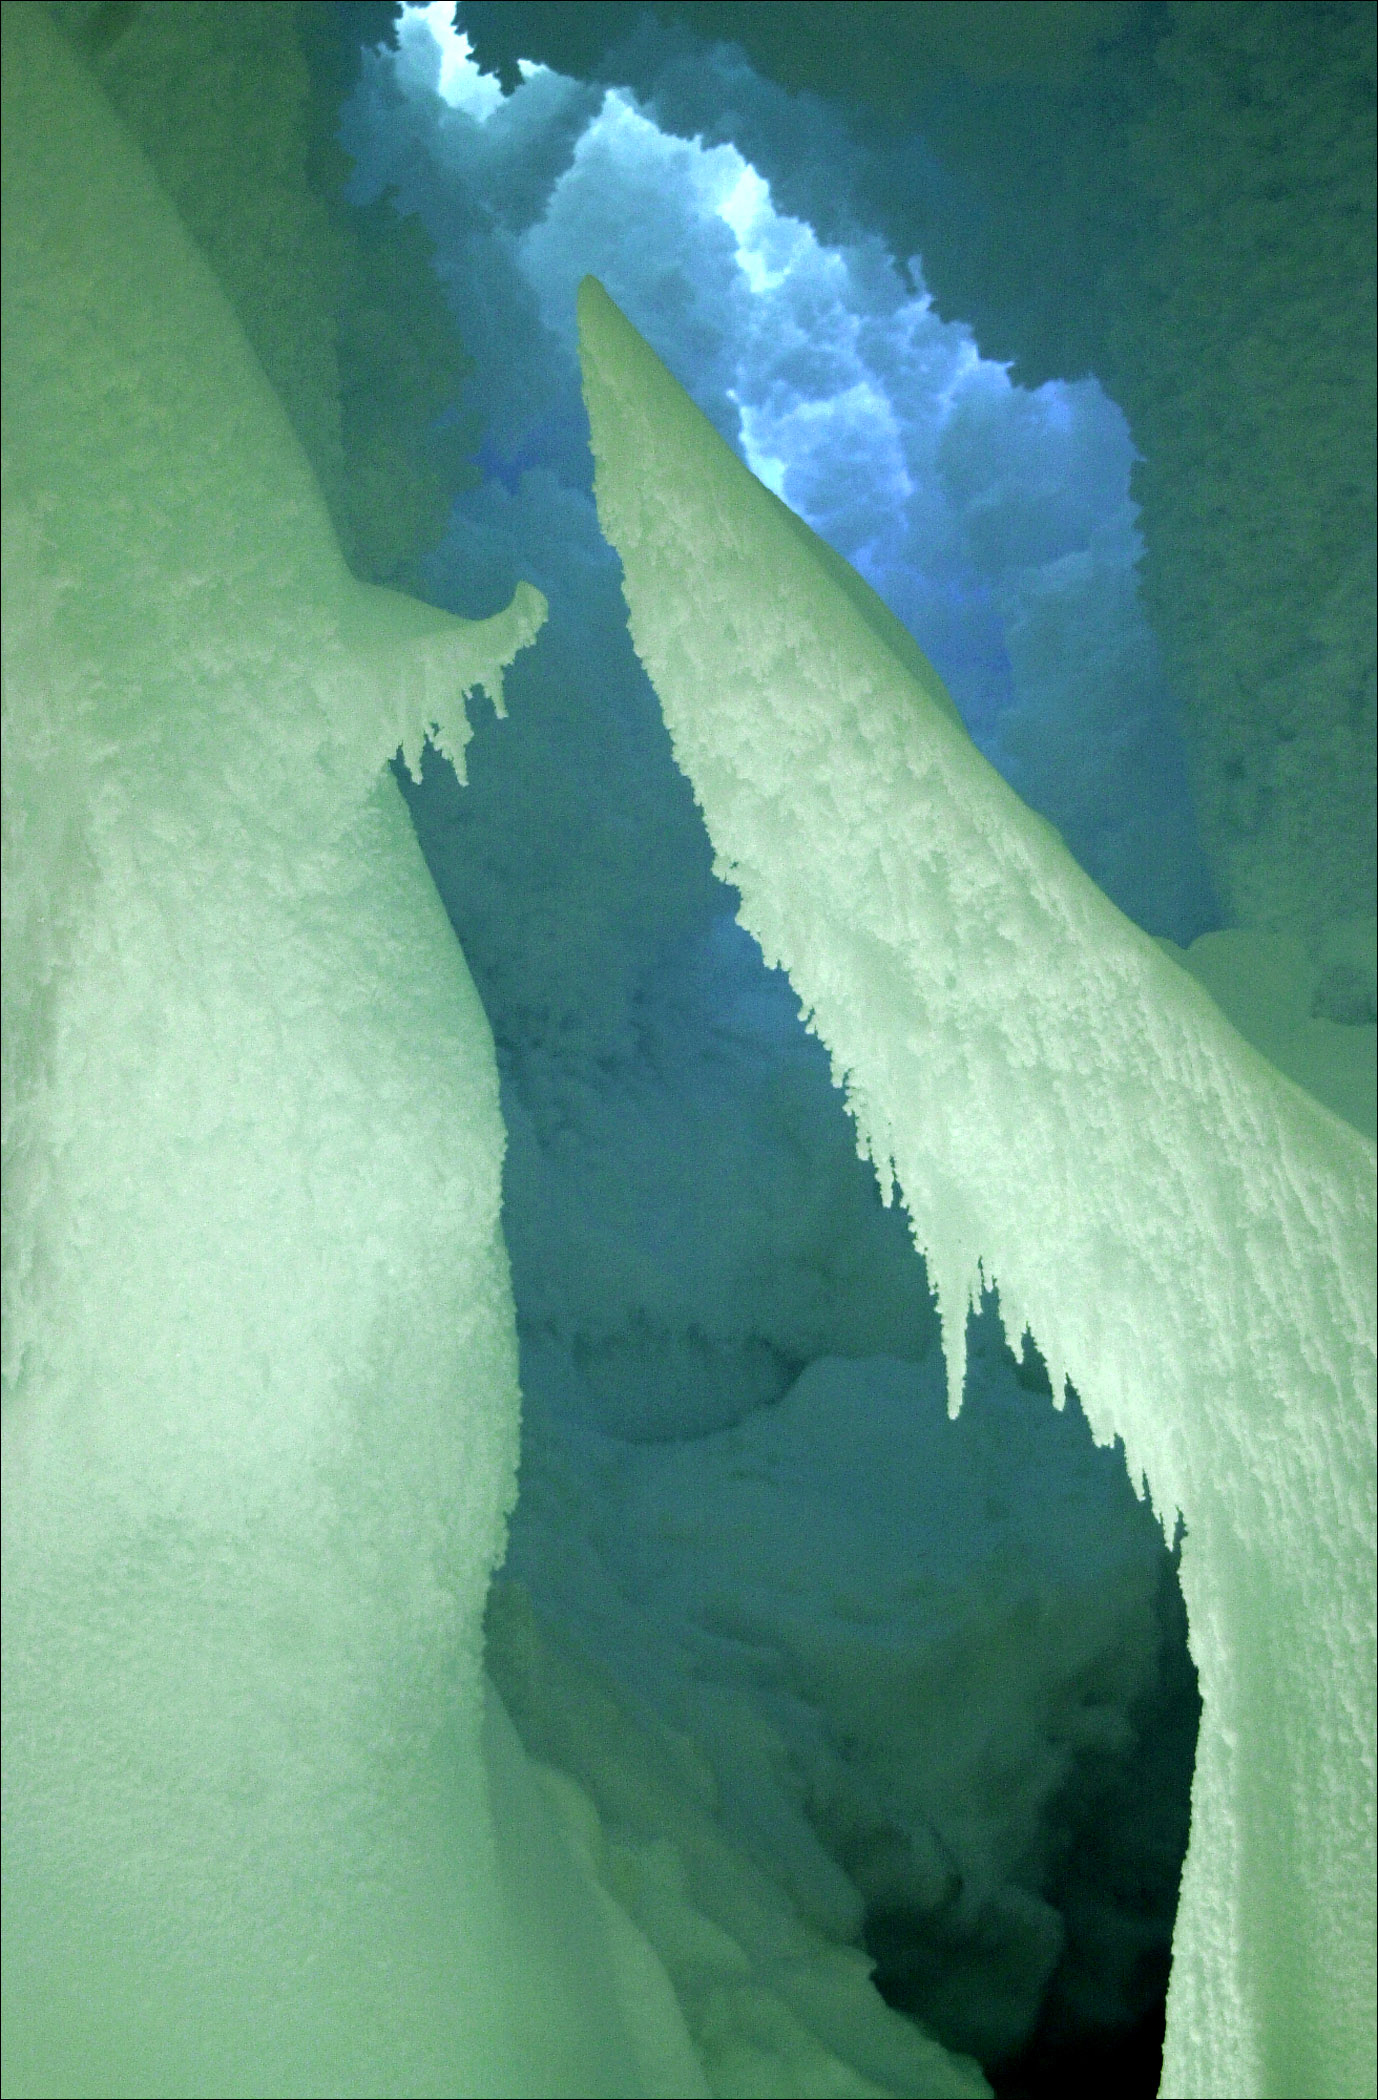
[(1188, 1234), (262, 1831)]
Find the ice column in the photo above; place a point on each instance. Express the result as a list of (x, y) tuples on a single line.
[(1188, 1234), (261, 1406)]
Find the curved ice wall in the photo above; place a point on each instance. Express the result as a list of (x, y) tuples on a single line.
[(261, 1405)]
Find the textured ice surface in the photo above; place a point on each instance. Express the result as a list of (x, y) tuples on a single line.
[(1188, 1234), (261, 1406)]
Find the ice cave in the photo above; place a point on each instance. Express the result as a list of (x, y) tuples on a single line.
[(689, 1044)]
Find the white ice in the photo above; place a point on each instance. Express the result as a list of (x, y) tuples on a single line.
[(1189, 1235)]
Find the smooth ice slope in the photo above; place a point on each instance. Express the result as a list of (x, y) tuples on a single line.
[(1188, 1235), (261, 1407)]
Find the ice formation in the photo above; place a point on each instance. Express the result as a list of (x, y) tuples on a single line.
[(993, 519), (1188, 1233), (798, 1666), (261, 1408)]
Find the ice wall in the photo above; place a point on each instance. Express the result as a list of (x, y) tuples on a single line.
[(261, 1408), (1188, 1234)]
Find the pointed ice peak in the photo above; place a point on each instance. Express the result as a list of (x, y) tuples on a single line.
[(1185, 1233)]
